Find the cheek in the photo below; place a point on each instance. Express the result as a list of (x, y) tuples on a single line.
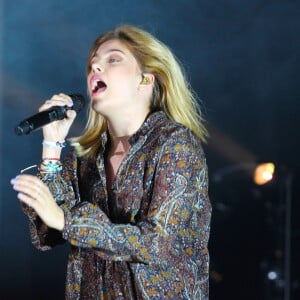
[(126, 81)]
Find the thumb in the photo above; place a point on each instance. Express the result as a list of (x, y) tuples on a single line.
[(71, 114)]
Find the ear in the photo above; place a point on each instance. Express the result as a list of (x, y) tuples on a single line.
[(147, 78)]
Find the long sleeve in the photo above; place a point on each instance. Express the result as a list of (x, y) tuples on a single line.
[(177, 220), (145, 239), (65, 192)]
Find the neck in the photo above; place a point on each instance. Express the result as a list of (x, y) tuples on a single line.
[(125, 126), (119, 145)]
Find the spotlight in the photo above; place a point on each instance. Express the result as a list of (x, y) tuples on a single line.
[(261, 173), (264, 173)]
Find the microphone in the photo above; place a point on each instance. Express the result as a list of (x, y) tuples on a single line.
[(52, 114)]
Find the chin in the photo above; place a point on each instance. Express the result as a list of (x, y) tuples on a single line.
[(98, 108), (95, 107)]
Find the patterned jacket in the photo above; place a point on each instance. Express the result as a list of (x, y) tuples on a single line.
[(148, 238)]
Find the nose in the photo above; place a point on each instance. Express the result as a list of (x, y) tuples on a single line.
[(96, 67)]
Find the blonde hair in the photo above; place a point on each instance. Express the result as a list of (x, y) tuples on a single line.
[(171, 93)]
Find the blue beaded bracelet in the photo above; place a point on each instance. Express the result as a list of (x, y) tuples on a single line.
[(50, 166)]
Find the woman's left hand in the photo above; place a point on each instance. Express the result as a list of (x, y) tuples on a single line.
[(33, 192)]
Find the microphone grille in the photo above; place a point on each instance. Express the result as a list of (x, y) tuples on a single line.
[(78, 102)]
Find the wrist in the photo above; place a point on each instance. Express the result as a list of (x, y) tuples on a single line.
[(49, 152), (52, 149), (50, 165), (54, 145)]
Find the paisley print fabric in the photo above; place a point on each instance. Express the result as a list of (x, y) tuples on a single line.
[(147, 238)]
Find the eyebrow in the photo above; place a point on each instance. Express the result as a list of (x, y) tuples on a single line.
[(109, 51), (115, 50)]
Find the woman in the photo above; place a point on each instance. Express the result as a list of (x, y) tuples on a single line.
[(132, 197)]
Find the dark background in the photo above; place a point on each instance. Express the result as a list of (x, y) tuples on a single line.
[(242, 58)]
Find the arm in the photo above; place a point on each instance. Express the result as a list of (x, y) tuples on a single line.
[(57, 186), (46, 217)]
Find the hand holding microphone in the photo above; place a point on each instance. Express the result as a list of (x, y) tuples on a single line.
[(55, 117), (61, 108)]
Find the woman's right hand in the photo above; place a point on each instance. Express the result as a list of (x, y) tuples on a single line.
[(58, 130)]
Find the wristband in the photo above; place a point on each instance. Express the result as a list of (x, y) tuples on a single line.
[(56, 145)]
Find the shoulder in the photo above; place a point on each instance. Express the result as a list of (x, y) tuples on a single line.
[(175, 135)]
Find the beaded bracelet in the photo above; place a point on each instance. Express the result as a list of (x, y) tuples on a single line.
[(50, 166), (57, 145)]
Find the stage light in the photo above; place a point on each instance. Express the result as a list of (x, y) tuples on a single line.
[(264, 173), (272, 275), (261, 173)]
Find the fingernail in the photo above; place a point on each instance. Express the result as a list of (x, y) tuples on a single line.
[(15, 186), (71, 113), (71, 102), (13, 180)]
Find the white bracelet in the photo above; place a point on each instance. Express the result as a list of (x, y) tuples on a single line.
[(50, 144)]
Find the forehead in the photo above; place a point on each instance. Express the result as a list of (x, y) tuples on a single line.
[(112, 45)]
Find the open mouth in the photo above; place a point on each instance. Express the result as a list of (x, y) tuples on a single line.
[(98, 86)]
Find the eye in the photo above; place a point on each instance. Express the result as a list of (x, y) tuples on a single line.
[(113, 60)]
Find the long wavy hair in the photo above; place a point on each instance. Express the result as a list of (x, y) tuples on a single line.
[(172, 92)]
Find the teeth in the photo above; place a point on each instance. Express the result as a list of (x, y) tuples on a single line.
[(94, 84)]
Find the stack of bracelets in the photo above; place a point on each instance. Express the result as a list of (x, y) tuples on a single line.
[(51, 165)]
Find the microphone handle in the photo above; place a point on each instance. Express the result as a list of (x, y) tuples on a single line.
[(41, 119)]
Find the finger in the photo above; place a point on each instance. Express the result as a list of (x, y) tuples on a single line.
[(57, 100), (71, 114), (30, 191), (26, 177), (27, 200), (65, 96), (29, 184), (62, 98)]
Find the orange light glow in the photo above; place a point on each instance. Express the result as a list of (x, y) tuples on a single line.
[(264, 173)]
